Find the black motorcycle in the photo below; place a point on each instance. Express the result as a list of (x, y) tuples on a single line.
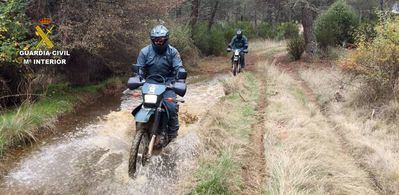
[(150, 126), (236, 59)]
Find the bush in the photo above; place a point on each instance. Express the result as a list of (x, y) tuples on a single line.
[(366, 30), (217, 42), (14, 30), (287, 30), (265, 30), (246, 28), (336, 25), (378, 61), (296, 47), (180, 39), (211, 42)]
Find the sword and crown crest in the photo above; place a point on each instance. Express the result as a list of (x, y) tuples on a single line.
[(44, 33)]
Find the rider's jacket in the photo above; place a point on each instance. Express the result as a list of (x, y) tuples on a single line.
[(239, 43), (166, 64)]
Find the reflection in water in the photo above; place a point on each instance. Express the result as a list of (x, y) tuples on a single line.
[(94, 160)]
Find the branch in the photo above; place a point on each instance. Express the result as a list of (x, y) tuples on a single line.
[(18, 95)]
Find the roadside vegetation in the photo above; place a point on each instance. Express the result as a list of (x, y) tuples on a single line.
[(215, 40), (225, 135), (359, 94), (371, 134), (352, 85), (22, 124), (303, 154)]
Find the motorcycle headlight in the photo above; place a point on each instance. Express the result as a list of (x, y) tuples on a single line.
[(150, 99)]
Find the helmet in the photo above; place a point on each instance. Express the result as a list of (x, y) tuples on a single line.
[(239, 33), (159, 37)]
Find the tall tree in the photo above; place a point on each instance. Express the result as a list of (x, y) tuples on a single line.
[(213, 14), (194, 12), (307, 12), (308, 30)]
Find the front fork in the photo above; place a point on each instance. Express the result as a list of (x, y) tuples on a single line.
[(154, 129)]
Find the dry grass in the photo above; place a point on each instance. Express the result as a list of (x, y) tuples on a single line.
[(22, 126), (303, 154), (225, 134), (372, 134), (265, 49)]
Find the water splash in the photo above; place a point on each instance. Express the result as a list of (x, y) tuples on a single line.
[(95, 159)]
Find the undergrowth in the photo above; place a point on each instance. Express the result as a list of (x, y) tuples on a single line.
[(21, 124)]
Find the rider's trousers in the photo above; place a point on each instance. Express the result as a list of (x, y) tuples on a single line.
[(171, 119)]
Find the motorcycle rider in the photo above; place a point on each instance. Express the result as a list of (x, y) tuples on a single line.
[(239, 41), (161, 58)]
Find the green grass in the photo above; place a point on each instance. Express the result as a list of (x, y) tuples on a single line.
[(235, 114), (299, 94), (241, 106), (215, 177), (23, 122)]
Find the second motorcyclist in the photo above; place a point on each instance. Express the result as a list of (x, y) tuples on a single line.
[(239, 41)]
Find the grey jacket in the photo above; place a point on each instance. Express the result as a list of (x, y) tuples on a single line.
[(238, 44), (166, 64)]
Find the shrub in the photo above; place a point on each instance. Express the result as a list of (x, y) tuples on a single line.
[(217, 42), (228, 31), (180, 38), (336, 25), (265, 30), (210, 42), (246, 27), (14, 30), (287, 30), (200, 37), (378, 61), (296, 47), (366, 30)]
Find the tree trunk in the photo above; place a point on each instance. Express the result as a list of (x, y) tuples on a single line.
[(213, 14), (308, 31), (194, 13)]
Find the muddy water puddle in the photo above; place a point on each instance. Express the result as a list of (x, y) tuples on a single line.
[(93, 159)]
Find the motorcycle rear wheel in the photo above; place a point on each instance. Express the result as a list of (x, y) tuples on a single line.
[(138, 151)]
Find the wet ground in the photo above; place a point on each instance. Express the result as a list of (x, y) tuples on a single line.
[(91, 156)]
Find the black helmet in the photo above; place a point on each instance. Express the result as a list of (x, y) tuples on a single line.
[(159, 37), (239, 33)]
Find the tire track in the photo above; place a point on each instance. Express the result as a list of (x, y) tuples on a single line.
[(254, 170), (339, 132)]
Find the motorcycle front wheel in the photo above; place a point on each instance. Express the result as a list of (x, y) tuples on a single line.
[(235, 68), (139, 149)]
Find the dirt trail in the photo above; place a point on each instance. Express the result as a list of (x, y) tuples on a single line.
[(254, 166), (93, 159), (346, 145)]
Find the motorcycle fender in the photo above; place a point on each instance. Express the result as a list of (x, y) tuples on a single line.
[(143, 115)]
